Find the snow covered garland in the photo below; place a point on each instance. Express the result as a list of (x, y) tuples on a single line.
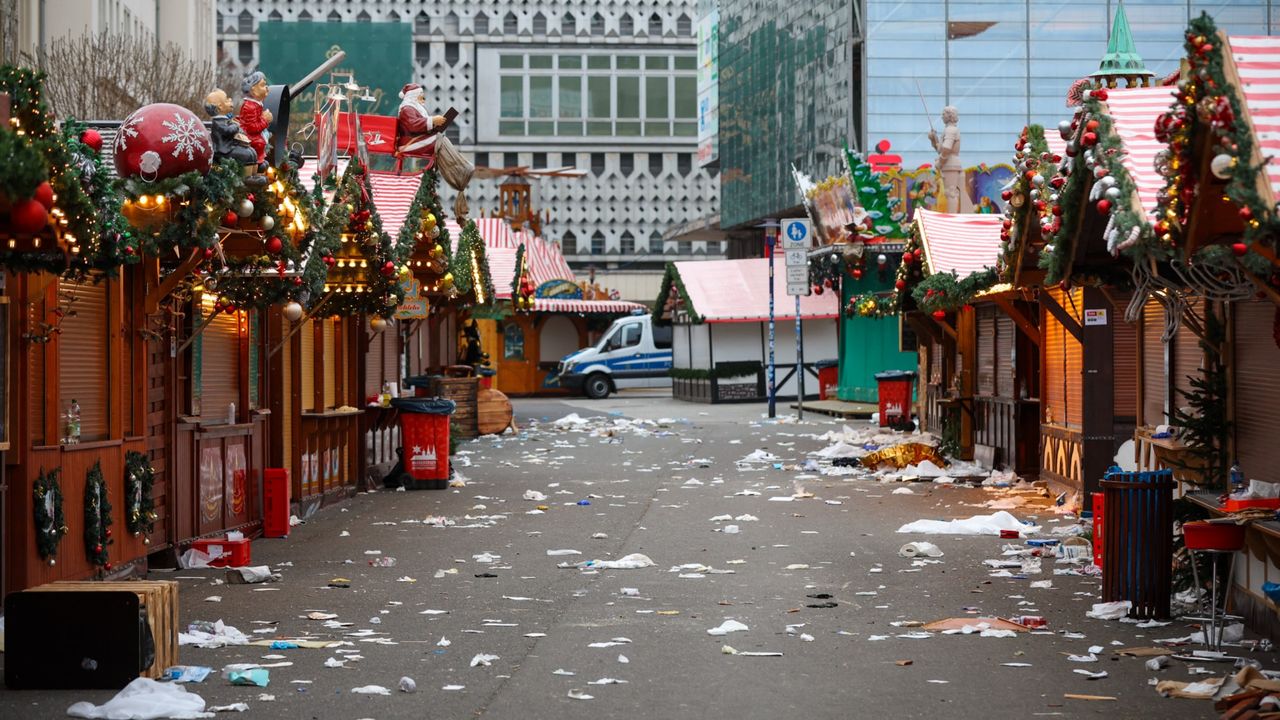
[(47, 510), (97, 519), (139, 476)]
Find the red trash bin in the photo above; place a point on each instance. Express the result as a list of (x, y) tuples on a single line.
[(424, 432), (275, 503), (893, 389), (828, 378)]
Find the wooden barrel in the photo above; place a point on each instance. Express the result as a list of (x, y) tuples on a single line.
[(493, 411), (463, 392)]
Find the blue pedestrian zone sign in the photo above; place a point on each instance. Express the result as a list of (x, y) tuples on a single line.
[(795, 233)]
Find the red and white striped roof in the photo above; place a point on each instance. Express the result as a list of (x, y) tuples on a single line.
[(1257, 61), (730, 291), (392, 196), (596, 307), (1133, 113), (960, 243)]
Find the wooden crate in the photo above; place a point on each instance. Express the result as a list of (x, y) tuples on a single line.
[(158, 597), (463, 392)]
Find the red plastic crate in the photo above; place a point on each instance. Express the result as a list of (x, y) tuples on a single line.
[(233, 553), (1238, 505), (1213, 536)]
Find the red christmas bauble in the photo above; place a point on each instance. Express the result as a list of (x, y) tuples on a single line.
[(939, 314), (28, 216), (44, 195), (92, 139), (857, 273), (826, 282), (97, 548), (1006, 194), (208, 253), (900, 285), (389, 268), (1091, 126), (1058, 181), (817, 289), (160, 141), (297, 281), (1246, 213), (1089, 139), (107, 567), (1104, 206), (1239, 249), (108, 532), (1101, 94), (230, 218), (274, 245)]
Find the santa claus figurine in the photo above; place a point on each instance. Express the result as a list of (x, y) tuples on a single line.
[(254, 118), (416, 127)]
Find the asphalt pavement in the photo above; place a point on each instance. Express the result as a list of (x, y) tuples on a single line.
[(815, 578)]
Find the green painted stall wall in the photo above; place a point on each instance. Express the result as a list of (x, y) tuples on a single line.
[(867, 345)]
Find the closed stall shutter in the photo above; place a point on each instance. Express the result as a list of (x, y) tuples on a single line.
[(36, 394), (220, 367), (1005, 332), (1256, 393), (1064, 363), (83, 362), (308, 362), (330, 357), (1054, 395), (373, 365), (935, 364), (286, 398), (1155, 381), (391, 356), (1187, 358), (1125, 359), (986, 361)]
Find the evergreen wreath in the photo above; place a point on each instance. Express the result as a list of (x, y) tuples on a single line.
[(139, 477), (50, 523), (97, 519)]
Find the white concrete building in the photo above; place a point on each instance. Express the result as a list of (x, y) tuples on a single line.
[(609, 87), (34, 24)]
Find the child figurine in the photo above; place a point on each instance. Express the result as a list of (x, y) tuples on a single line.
[(229, 141)]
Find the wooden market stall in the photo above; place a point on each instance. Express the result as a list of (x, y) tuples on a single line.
[(720, 312)]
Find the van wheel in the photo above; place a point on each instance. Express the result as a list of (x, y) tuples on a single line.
[(597, 386)]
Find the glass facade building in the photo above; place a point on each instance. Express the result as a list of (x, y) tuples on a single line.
[(797, 79)]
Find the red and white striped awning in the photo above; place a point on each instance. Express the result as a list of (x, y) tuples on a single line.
[(1257, 61), (960, 243), (587, 307), (502, 268), (729, 291), (393, 195), (1133, 112)]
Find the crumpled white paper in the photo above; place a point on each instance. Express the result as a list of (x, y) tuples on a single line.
[(1110, 610), (727, 627)]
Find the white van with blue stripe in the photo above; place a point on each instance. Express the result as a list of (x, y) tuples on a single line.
[(632, 353)]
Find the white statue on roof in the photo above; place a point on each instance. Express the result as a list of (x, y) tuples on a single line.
[(950, 171)]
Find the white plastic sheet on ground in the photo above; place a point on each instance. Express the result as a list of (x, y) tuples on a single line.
[(222, 635), (976, 525), (1110, 610), (634, 561), (144, 699), (727, 627)]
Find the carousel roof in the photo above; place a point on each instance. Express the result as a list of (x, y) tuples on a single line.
[(959, 243)]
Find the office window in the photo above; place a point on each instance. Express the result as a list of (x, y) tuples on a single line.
[(422, 52), (685, 247), (304, 16), (333, 16), (628, 246), (539, 24), (568, 25), (597, 243), (626, 26), (655, 164), (363, 17), (684, 164), (539, 160), (655, 25), (451, 53), (627, 163), (510, 159), (421, 24), (597, 24), (275, 16), (569, 242), (244, 22), (244, 51), (655, 242), (597, 164), (481, 24), (684, 26), (510, 25)]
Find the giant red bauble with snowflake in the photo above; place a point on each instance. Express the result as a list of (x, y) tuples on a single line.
[(162, 141)]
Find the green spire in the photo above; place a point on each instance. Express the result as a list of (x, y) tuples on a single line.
[(1122, 58)]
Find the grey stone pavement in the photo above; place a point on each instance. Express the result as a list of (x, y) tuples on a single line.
[(540, 620)]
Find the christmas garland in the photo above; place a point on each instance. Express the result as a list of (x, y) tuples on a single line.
[(1094, 151), (469, 267), (1033, 165), (943, 292), (109, 242), (910, 271), (97, 519), (24, 169), (425, 234), (522, 289), (369, 283), (196, 205), (139, 477), (671, 280), (1207, 104), (50, 524)]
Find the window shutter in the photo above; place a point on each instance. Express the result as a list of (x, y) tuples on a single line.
[(1064, 391), (1005, 334), (330, 357), (286, 397), (83, 362), (986, 360), (1125, 359), (36, 394), (1187, 359), (255, 366), (373, 365), (308, 363), (391, 357), (1256, 360), (1155, 381), (220, 367)]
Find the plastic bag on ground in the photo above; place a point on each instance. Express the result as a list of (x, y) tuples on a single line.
[(634, 561), (1110, 610), (976, 525), (144, 699)]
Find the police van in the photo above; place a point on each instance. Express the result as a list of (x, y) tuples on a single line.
[(633, 353)]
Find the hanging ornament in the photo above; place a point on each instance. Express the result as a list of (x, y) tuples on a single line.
[(28, 216), (293, 311), (92, 139), (1239, 249), (228, 220), (161, 141), (1221, 165), (1064, 129), (377, 323), (1104, 206), (274, 244), (939, 314), (900, 285), (882, 260), (817, 290), (44, 195), (268, 222), (245, 208)]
